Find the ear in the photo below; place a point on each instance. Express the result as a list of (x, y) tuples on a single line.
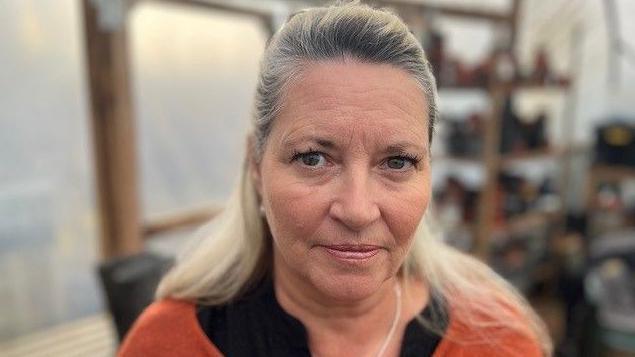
[(253, 164)]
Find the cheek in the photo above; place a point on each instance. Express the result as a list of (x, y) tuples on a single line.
[(294, 210), (405, 211)]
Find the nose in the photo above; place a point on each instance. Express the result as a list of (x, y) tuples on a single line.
[(355, 204)]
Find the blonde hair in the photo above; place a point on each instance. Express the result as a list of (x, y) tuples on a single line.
[(234, 251)]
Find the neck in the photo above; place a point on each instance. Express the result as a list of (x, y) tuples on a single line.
[(297, 295), (356, 327)]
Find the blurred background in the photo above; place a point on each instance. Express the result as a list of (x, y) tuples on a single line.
[(122, 128)]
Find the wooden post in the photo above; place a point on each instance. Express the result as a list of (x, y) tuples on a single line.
[(568, 122), (113, 129), (513, 23), (492, 159)]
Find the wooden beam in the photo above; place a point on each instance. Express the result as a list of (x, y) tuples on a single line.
[(180, 221), (455, 11), (263, 14), (113, 131)]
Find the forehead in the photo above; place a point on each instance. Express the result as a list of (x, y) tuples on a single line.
[(343, 96)]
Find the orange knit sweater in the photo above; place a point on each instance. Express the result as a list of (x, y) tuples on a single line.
[(170, 328)]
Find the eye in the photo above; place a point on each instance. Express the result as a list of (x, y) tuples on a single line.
[(401, 163), (310, 159), (396, 163)]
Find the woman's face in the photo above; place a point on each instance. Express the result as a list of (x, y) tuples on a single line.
[(345, 176)]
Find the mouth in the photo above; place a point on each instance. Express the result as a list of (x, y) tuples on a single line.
[(352, 251)]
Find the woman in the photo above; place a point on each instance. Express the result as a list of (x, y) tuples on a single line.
[(323, 249)]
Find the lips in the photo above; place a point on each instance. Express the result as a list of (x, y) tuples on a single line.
[(353, 252)]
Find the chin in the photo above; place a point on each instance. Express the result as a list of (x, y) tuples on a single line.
[(347, 287)]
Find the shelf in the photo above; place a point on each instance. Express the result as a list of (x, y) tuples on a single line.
[(538, 154), (527, 85), (612, 173), (533, 86), (459, 88), (464, 160), (507, 159), (507, 86), (524, 222)]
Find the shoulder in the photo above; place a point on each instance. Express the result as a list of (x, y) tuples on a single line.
[(167, 328), (489, 343), (486, 337)]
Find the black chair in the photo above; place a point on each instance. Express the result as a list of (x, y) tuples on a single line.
[(129, 284)]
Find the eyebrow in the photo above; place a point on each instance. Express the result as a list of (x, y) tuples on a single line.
[(325, 143), (403, 147), (395, 148)]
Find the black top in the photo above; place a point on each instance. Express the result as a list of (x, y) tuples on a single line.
[(256, 325)]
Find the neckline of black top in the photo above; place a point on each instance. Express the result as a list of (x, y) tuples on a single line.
[(256, 325)]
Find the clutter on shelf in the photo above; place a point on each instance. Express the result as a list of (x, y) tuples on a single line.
[(465, 137), (519, 134), (456, 209), (611, 181), (500, 66), (517, 195), (517, 257)]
